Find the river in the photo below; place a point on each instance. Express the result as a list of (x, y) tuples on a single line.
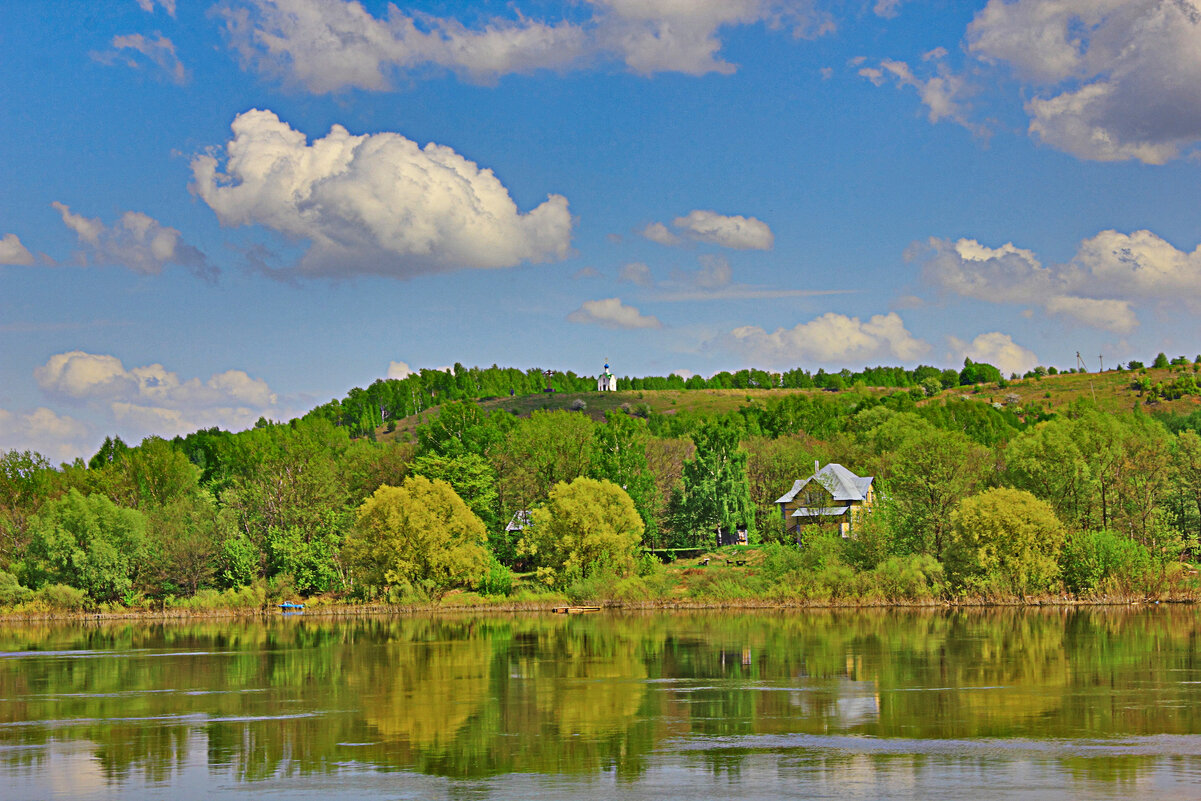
[(876, 704)]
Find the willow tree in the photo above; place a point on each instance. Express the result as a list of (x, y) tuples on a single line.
[(420, 534), (1004, 540), (584, 526)]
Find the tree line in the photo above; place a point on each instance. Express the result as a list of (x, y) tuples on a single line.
[(973, 499)]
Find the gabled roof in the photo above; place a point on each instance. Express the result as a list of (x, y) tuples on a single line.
[(821, 511), (521, 520), (841, 483)]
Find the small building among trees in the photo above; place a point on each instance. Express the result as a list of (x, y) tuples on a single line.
[(833, 495), (606, 381)]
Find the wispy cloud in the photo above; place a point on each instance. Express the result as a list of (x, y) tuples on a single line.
[(612, 313), (137, 242), (334, 45), (157, 50)]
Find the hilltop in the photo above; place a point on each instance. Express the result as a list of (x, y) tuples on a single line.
[(1112, 391)]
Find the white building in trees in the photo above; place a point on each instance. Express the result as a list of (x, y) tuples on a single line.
[(607, 382)]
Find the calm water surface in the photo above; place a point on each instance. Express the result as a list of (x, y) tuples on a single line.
[(851, 705)]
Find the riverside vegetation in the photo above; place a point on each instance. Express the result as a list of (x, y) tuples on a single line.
[(400, 494)]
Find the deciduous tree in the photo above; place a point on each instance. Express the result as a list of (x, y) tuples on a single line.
[(583, 525), (1004, 539), (87, 542), (420, 534)]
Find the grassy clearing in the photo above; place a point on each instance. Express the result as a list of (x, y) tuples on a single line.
[(1112, 391)]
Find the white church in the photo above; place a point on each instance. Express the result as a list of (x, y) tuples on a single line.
[(606, 382)]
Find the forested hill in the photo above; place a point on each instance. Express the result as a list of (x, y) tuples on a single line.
[(274, 507), (368, 410)]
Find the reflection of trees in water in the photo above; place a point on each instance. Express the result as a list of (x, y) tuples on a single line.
[(481, 696), (422, 691)]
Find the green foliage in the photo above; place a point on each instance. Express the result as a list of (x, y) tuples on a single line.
[(87, 542), (1004, 538), (913, 577), (271, 506), (182, 545), (979, 421), (11, 591), (539, 452), (112, 448), (978, 373), (153, 474), (497, 579), (875, 539), (238, 561), (26, 482), (619, 456), (716, 490), (309, 557), (1161, 360), (924, 472), (585, 527), (62, 597), (471, 477), (1093, 560), (420, 534), (460, 428)]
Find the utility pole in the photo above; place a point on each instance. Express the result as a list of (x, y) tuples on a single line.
[(1080, 364)]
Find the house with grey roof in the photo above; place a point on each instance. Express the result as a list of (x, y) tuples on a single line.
[(833, 495)]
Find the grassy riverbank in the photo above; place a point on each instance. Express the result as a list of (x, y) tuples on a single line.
[(727, 578)]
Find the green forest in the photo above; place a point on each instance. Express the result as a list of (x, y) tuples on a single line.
[(424, 490)]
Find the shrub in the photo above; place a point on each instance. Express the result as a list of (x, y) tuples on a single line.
[(420, 533), (915, 577), (62, 597), (11, 591), (1092, 560), (497, 579), (1003, 537)]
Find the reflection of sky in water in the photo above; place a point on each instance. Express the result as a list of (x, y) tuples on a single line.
[(843, 768)]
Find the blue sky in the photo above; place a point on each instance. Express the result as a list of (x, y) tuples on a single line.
[(217, 211)]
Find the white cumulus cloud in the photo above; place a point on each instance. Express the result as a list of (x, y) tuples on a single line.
[(43, 430), (830, 339), (942, 92), (13, 252), (375, 204), (1109, 79), (729, 231), (1110, 273), (1107, 315), (612, 313), (658, 232), (153, 400), (399, 370), (148, 6), (333, 45), (137, 241)]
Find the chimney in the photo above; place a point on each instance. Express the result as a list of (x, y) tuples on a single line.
[(815, 463)]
